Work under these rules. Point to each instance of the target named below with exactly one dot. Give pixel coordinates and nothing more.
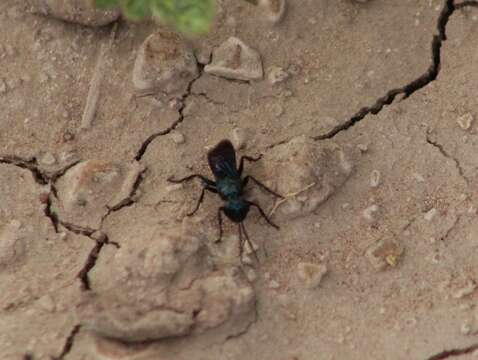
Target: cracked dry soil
(387, 81)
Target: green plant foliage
(106, 4)
(188, 16)
(136, 9)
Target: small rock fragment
(277, 75)
(177, 137)
(362, 147)
(465, 328)
(238, 138)
(375, 178)
(306, 174)
(82, 12)
(274, 284)
(465, 121)
(430, 214)
(371, 213)
(274, 9)
(164, 64)
(311, 274)
(233, 59)
(384, 253)
(465, 291)
(47, 159)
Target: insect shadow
(229, 185)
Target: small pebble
(370, 214)
(430, 214)
(375, 178)
(465, 121)
(274, 284)
(177, 137)
(274, 9)
(47, 159)
(251, 275)
(465, 291)
(311, 274)
(465, 329)
(238, 138)
(277, 75)
(384, 253)
(362, 147)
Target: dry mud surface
(367, 120)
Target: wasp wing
(222, 160)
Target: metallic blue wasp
(230, 186)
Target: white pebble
(465, 291)
(274, 284)
(430, 214)
(465, 329)
(251, 275)
(371, 212)
(465, 121)
(238, 138)
(362, 147)
(375, 178)
(47, 159)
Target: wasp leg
(219, 222)
(241, 243)
(261, 185)
(201, 197)
(264, 215)
(249, 241)
(248, 158)
(204, 179)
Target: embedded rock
(165, 65)
(307, 173)
(81, 12)
(235, 60)
(90, 188)
(166, 286)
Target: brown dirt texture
(366, 117)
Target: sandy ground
(383, 91)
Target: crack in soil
(454, 352)
(442, 151)
(68, 343)
(407, 90)
(129, 200)
(184, 97)
(90, 264)
(31, 165)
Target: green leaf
(136, 9)
(188, 16)
(106, 4)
